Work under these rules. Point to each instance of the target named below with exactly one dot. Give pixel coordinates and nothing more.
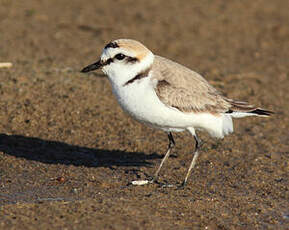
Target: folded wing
(186, 90)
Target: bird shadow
(55, 152)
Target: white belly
(141, 102)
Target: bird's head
(122, 58)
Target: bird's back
(180, 87)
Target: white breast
(140, 101)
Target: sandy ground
(68, 152)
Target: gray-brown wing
(184, 89)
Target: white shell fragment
(139, 182)
(5, 64)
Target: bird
(168, 96)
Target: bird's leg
(170, 147)
(193, 163)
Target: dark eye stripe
(127, 58)
(110, 60)
(107, 62)
(132, 59)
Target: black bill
(92, 67)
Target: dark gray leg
(170, 147)
(193, 163)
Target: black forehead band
(112, 45)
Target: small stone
(5, 64)
(139, 182)
(60, 179)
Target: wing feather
(184, 89)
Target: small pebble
(60, 179)
(5, 64)
(139, 182)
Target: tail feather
(242, 109)
(262, 112)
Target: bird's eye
(119, 56)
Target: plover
(168, 96)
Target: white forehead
(127, 47)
